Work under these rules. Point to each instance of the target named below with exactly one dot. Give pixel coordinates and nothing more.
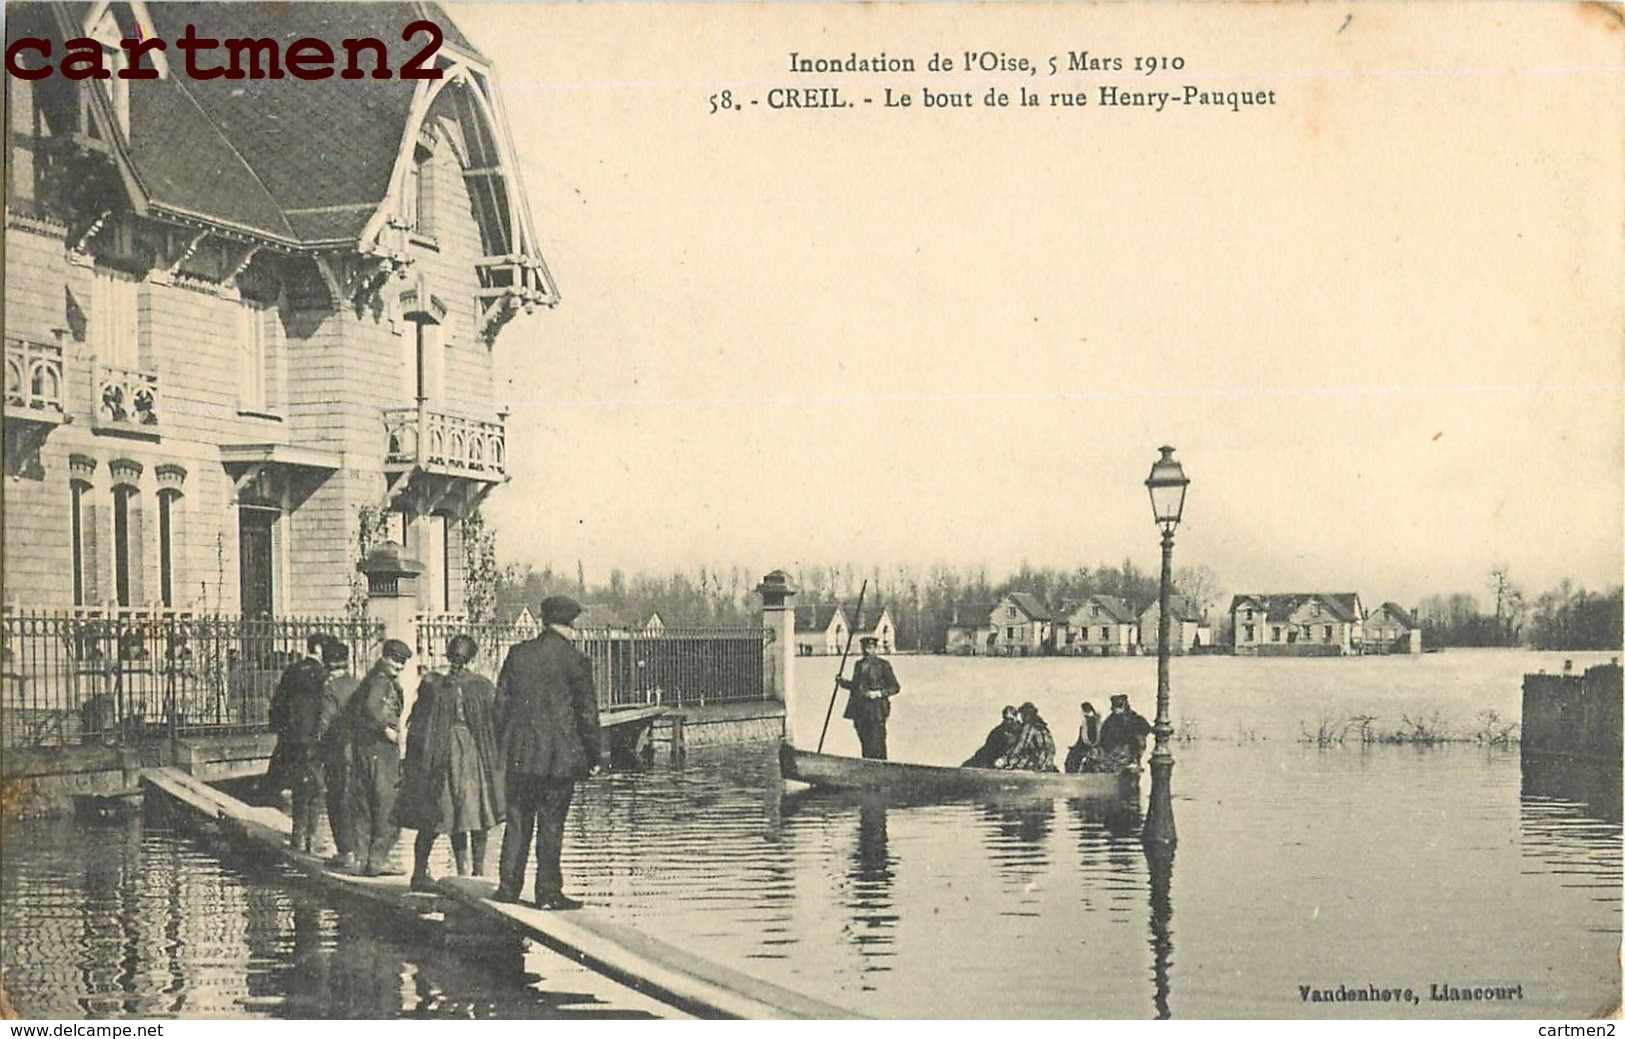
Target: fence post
(779, 618)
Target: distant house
(876, 621)
(655, 624)
(1297, 624)
(1022, 626)
(1391, 628)
(599, 617)
(969, 630)
(1101, 625)
(1184, 626)
(820, 629)
(523, 623)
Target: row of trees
(923, 601)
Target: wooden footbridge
(668, 975)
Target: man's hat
(559, 609)
(335, 653)
(1119, 699)
(396, 650)
(868, 640)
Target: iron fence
(676, 667)
(122, 675)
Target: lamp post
(1167, 484)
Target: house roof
(1280, 606)
(304, 163)
(971, 615)
(1028, 603)
(815, 616)
(597, 615)
(1179, 608)
(870, 618)
(1398, 613)
(1115, 608)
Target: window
(115, 318)
(1326, 631)
(417, 194)
(1010, 633)
(1105, 634)
(126, 544)
(168, 505)
(257, 380)
(1247, 633)
(1275, 634)
(83, 551)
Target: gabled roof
(299, 163)
(1028, 603)
(1397, 612)
(598, 615)
(816, 616)
(970, 615)
(1115, 608)
(1179, 608)
(1280, 606)
(870, 618)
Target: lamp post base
(1159, 816)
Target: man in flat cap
(868, 706)
(340, 689)
(375, 761)
(547, 724)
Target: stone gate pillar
(779, 618)
(392, 599)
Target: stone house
(1101, 625)
(247, 318)
(1184, 626)
(969, 631)
(1022, 626)
(820, 629)
(1390, 628)
(1297, 624)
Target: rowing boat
(833, 772)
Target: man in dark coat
(335, 749)
(547, 723)
(1122, 737)
(375, 761)
(295, 718)
(872, 686)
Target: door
(255, 563)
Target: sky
(1380, 320)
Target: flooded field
(1299, 868)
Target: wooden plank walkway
(660, 971)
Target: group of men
(1022, 741)
(339, 742)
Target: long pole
(851, 630)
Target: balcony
(34, 403)
(445, 444)
(127, 402)
(34, 381)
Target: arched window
(169, 507)
(83, 551)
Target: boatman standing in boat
(872, 686)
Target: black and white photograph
(603, 512)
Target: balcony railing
(34, 380)
(447, 443)
(126, 400)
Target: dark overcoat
(547, 711)
(295, 717)
(870, 674)
(429, 767)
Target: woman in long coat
(450, 781)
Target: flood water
(1354, 865)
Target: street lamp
(1167, 484)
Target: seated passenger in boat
(1035, 748)
(1122, 739)
(999, 741)
(1088, 737)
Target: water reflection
(869, 893)
(1159, 860)
(1593, 786)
